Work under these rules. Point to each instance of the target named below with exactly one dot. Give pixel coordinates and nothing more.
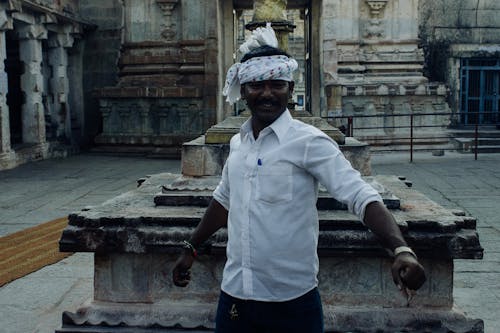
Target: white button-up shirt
(270, 188)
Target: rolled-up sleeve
(324, 160)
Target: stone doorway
(298, 14)
(14, 69)
(480, 90)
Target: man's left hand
(407, 272)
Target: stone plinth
(137, 241)
(206, 155)
(159, 100)
(201, 159)
(224, 131)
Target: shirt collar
(279, 126)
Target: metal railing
(349, 128)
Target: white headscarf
(277, 67)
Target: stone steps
(460, 140)
(488, 141)
(422, 141)
(203, 198)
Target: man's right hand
(181, 275)
(215, 217)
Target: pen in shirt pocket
(259, 162)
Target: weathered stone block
(122, 278)
(201, 159)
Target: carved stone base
(202, 159)
(224, 131)
(136, 243)
(97, 317)
(135, 292)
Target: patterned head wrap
(277, 67)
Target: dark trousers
(301, 315)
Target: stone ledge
(200, 158)
(222, 132)
(131, 223)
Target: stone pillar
(59, 83)
(272, 11)
(5, 23)
(32, 82)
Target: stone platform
(201, 159)
(136, 238)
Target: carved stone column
(167, 7)
(33, 116)
(374, 28)
(272, 11)
(5, 24)
(59, 83)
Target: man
(267, 200)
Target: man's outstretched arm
(215, 217)
(407, 272)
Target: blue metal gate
(480, 91)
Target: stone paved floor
(458, 181)
(42, 191)
(45, 190)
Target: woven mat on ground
(29, 250)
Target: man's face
(267, 100)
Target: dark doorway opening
(15, 98)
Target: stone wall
(451, 30)
(101, 54)
(168, 73)
(373, 72)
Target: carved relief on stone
(374, 29)
(376, 7)
(5, 21)
(176, 116)
(167, 7)
(375, 25)
(32, 31)
(61, 40)
(359, 108)
(270, 10)
(348, 53)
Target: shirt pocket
(274, 183)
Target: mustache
(271, 101)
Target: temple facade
(147, 75)
(41, 113)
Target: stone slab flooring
(35, 303)
(459, 182)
